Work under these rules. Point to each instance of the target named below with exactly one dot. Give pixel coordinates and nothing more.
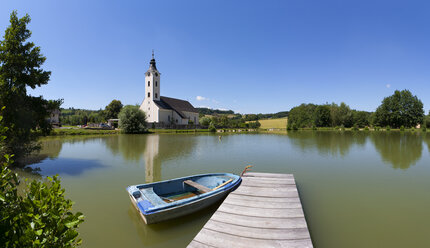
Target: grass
(273, 123)
(80, 131)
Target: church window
(156, 95)
(149, 94)
(148, 74)
(176, 120)
(156, 83)
(149, 83)
(156, 74)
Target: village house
(165, 110)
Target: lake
(358, 189)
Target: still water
(358, 189)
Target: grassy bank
(81, 131)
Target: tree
(400, 109)
(205, 121)
(341, 115)
(20, 67)
(301, 116)
(132, 120)
(322, 116)
(112, 110)
(39, 215)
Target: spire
(152, 65)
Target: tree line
(402, 109)
(72, 116)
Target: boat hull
(185, 207)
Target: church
(161, 109)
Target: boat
(165, 200)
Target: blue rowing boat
(173, 198)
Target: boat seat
(198, 186)
(152, 197)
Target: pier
(264, 211)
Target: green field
(274, 123)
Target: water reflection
(328, 142)
(154, 149)
(65, 166)
(400, 149)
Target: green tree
(341, 115)
(301, 116)
(205, 121)
(322, 116)
(361, 118)
(39, 215)
(400, 109)
(132, 120)
(20, 68)
(112, 110)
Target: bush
(212, 128)
(387, 128)
(424, 129)
(402, 128)
(355, 128)
(377, 128)
(366, 128)
(39, 215)
(132, 120)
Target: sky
(248, 56)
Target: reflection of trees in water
(328, 142)
(154, 149)
(50, 148)
(427, 140)
(400, 149)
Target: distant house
(161, 109)
(54, 117)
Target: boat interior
(178, 189)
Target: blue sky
(248, 56)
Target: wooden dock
(264, 211)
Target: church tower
(152, 81)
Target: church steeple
(152, 66)
(152, 81)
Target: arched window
(149, 94)
(149, 83)
(156, 83)
(156, 95)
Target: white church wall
(192, 116)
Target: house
(162, 109)
(54, 117)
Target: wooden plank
(218, 239)
(258, 233)
(262, 204)
(219, 186)
(262, 199)
(255, 181)
(256, 212)
(267, 192)
(271, 175)
(195, 244)
(261, 222)
(198, 186)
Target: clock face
(148, 74)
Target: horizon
(242, 56)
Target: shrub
(355, 128)
(314, 128)
(387, 128)
(424, 129)
(377, 128)
(39, 215)
(212, 128)
(342, 128)
(132, 120)
(402, 128)
(366, 128)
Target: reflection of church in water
(160, 148)
(152, 162)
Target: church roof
(177, 105)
